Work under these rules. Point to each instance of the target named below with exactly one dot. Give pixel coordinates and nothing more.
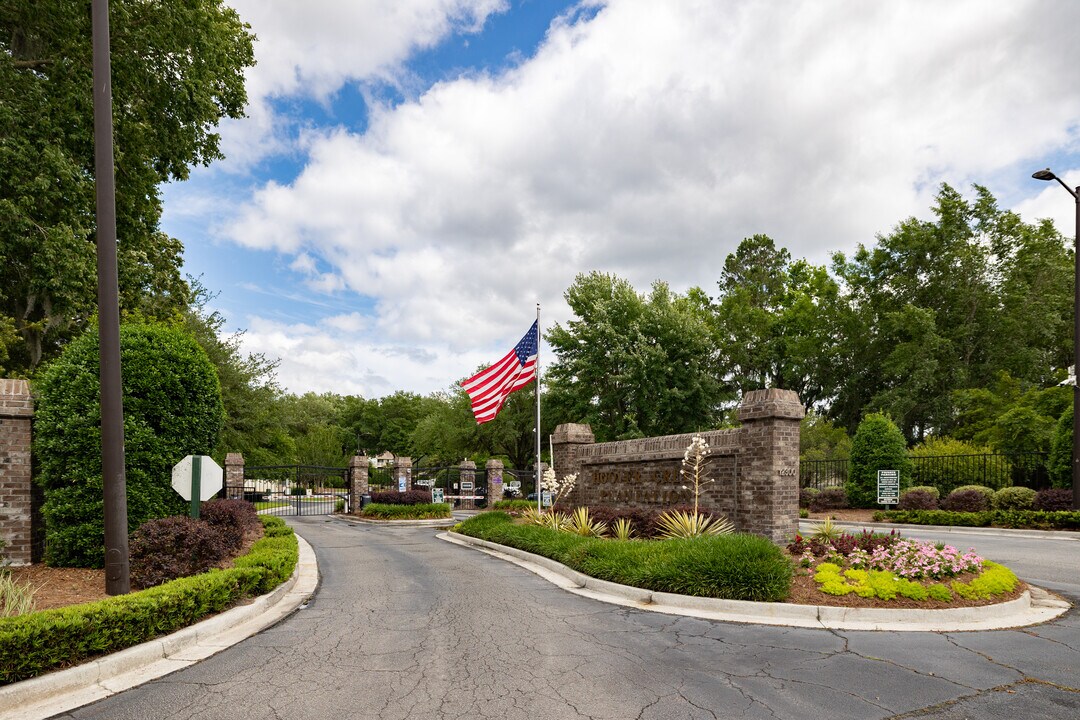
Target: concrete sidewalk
(64, 690)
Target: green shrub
(1038, 519)
(737, 566)
(420, 511)
(51, 639)
(172, 408)
(935, 517)
(994, 580)
(513, 505)
(987, 491)
(1059, 463)
(878, 445)
(946, 464)
(1013, 498)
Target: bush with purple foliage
(829, 499)
(232, 518)
(917, 500)
(168, 548)
(806, 495)
(1053, 499)
(966, 501)
(409, 497)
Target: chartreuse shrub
(1013, 498)
(420, 511)
(947, 463)
(878, 445)
(51, 639)
(994, 580)
(735, 566)
(172, 408)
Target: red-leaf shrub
(829, 499)
(409, 497)
(806, 495)
(168, 548)
(966, 501)
(1053, 499)
(232, 518)
(917, 500)
(641, 520)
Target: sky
(414, 176)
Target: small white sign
(401, 484)
(466, 485)
(210, 477)
(513, 485)
(545, 498)
(437, 495)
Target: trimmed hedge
(174, 547)
(513, 505)
(1053, 499)
(425, 511)
(1033, 519)
(1013, 498)
(38, 642)
(736, 567)
(409, 497)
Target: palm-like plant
(826, 531)
(623, 529)
(581, 524)
(679, 524)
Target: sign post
(888, 487)
(197, 478)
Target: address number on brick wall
(787, 472)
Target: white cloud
(647, 141)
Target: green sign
(888, 487)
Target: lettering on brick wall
(787, 472)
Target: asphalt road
(407, 626)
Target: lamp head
(1044, 175)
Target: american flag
(489, 388)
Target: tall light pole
(1047, 175)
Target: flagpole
(539, 490)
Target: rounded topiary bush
(1053, 499)
(878, 445)
(1013, 498)
(933, 491)
(172, 408)
(168, 548)
(806, 495)
(917, 499)
(966, 500)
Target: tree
(774, 322)
(633, 365)
(172, 408)
(878, 445)
(177, 69)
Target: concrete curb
(64, 690)
(1031, 608)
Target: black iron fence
(945, 472)
(296, 489)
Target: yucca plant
(554, 520)
(581, 524)
(679, 524)
(532, 516)
(623, 529)
(826, 531)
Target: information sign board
(437, 495)
(888, 487)
(545, 497)
(466, 485)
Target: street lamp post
(1047, 175)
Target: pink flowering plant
(916, 560)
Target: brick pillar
(358, 481)
(566, 442)
(494, 481)
(467, 474)
(768, 478)
(403, 469)
(20, 504)
(234, 476)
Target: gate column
(403, 469)
(494, 481)
(467, 474)
(358, 481)
(234, 476)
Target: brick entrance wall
(755, 468)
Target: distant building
(383, 460)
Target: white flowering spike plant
(694, 466)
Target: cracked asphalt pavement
(406, 626)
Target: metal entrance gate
(297, 489)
